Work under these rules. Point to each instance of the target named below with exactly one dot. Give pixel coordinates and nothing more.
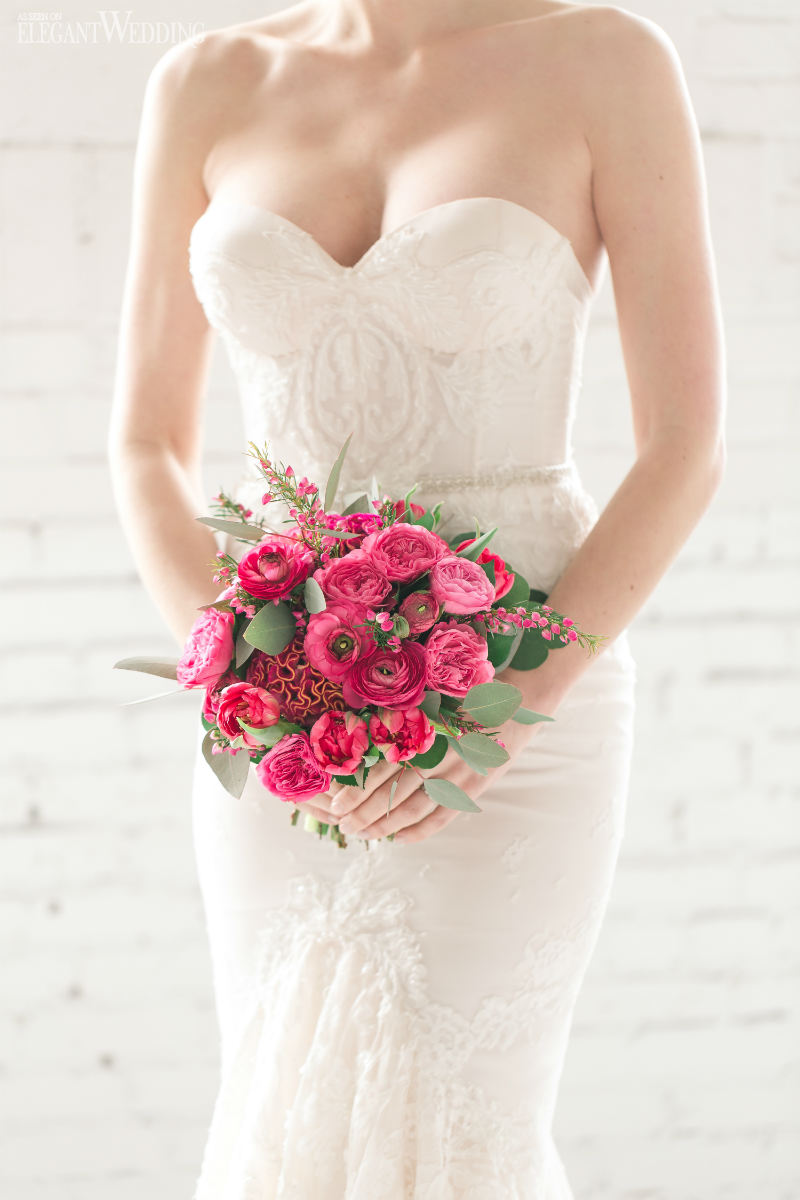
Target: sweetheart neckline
(217, 201)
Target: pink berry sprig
(301, 498)
(551, 625)
(225, 506)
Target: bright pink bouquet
(357, 636)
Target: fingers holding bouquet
(352, 660)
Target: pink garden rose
(291, 770)
(402, 551)
(339, 740)
(243, 702)
(392, 678)
(208, 649)
(421, 610)
(503, 578)
(213, 693)
(400, 733)
(273, 567)
(461, 586)
(333, 640)
(354, 578)
(456, 658)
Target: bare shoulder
(622, 45)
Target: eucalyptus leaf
(359, 775)
(369, 760)
(164, 668)
(360, 505)
(392, 791)
(338, 533)
(237, 529)
(501, 647)
(230, 769)
(243, 649)
(488, 568)
(519, 591)
(492, 703)
(270, 735)
(480, 752)
(430, 704)
(474, 548)
(220, 605)
(449, 795)
(271, 629)
(400, 625)
(531, 652)
(333, 478)
(433, 755)
(314, 596)
(526, 716)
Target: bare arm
(155, 433)
(650, 202)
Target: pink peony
(253, 705)
(392, 678)
(208, 649)
(403, 551)
(291, 770)
(273, 567)
(339, 740)
(503, 578)
(213, 693)
(400, 733)
(460, 585)
(456, 658)
(421, 610)
(334, 640)
(355, 577)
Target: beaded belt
(495, 477)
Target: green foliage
(333, 478)
(449, 795)
(360, 505)
(434, 755)
(164, 668)
(480, 752)
(313, 596)
(237, 529)
(230, 769)
(271, 734)
(502, 647)
(492, 703)
(473, 550)
(430, 704)
(531, 652)
(272, 628)
(518, 593)
(526, 716)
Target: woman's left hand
(413, 815)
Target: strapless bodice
(452, 351)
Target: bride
(396, 217)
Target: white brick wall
(681, 1080)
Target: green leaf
(370, 759)
(433, 755)
(406, 513)
(400, 625)
(424, 519)
(340, 533)
(360, 505)
(165, 668)
(531, 652)
(449, 795)
(271, 629)
(313, 596)
(526, 716)
(492, 703)
(473, 550)
(502, 647)
(333, 478)
(518, 593)
(392, 791)
(220, 605)
(243, 648)
(459, 537)
(230, 769)
(480, 752)
(270, 735)
(430, 704)
(360, 773)
(538, 596)
(237, 529)
(348, 779)
(488, 567)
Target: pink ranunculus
(291, 770)
(334, 640)
(392, 678)
(400, 733)
(213, 693)
(208, 649)
(243, 702)
(421, 610)
(503, 578)
(402, 551)
(456, 658)
(355, 577)
(274, 566)
(461, 586)
(339, 740)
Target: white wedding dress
(394, 1020)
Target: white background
(681, 1080)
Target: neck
(397, 27)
